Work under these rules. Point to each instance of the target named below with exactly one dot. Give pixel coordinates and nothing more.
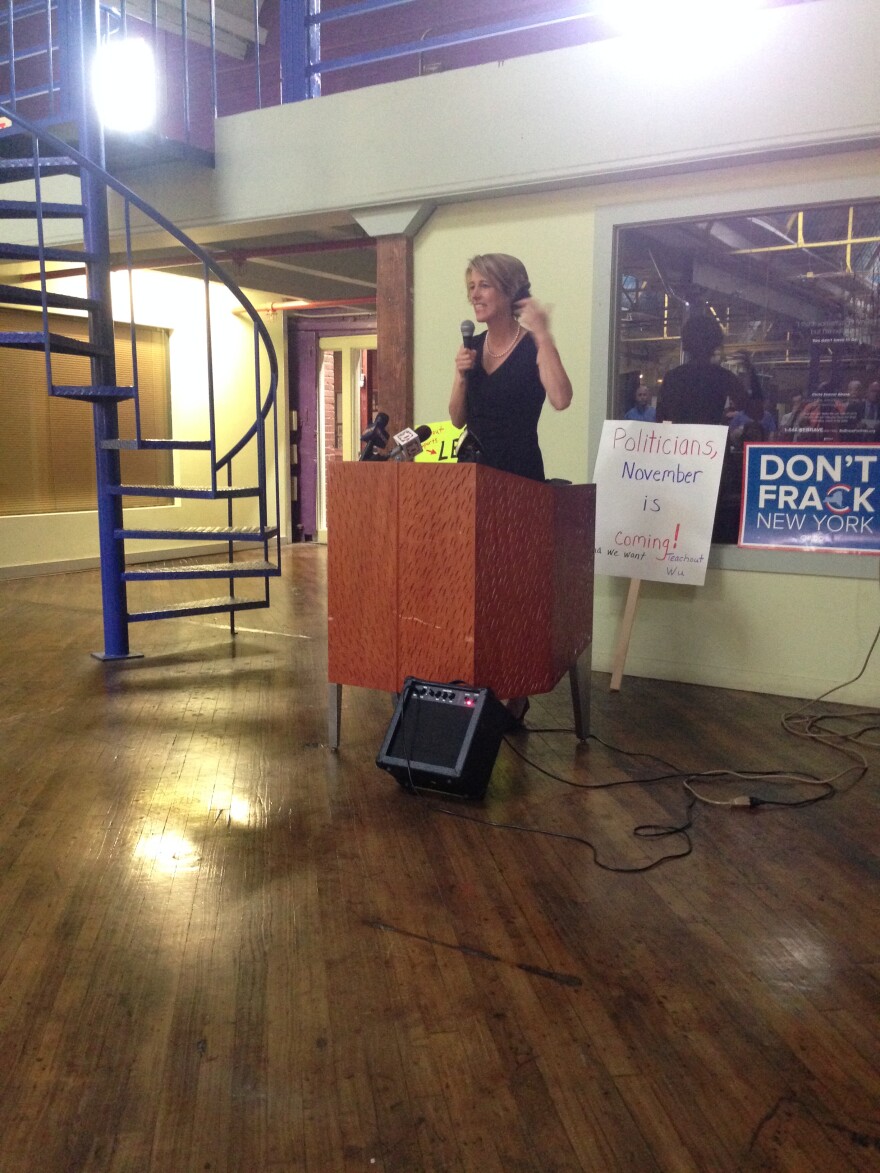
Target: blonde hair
(508, 274)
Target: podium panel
(456, 572)
(437, 568)
(362, 575)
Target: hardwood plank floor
(224, 947)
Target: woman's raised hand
(533, 316)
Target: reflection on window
(797, 292)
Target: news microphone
(375, 436)
(469, 450)
(408, 443)
(467, 334)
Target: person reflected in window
(755, 419)
(870, 421)
(810, 421)
(697, 391)
(786, 424)
(501, 382)
(642, 409)
(852, 412)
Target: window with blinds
(47, 448)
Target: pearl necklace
(507, 349)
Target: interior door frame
(351, 347)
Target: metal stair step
(32, 252)
(198, 607)
(27, 210)
(202, 533)
(19, 163)
(200, 491)
(251, 568)
(136, 445)
(94, 394)
(13, 170)
(36, 340)
(23, 295)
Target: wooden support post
(623, 634)
(394, 329)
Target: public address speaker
(444, 738)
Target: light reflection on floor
(168, 852)
(172, 852)
(800, 961)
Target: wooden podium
(457, 572)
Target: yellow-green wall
(553, 235)
(788, 632)
(31, 543)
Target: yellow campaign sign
(442, 444)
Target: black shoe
(517, 707)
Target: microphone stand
(373, 437)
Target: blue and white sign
(812, 497)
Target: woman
(500, 384)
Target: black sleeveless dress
(503, 410)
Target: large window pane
(797, 291)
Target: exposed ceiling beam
(789, 305)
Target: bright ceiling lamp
(124, 84)
(680, 43)
(695, 22)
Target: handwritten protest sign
(442, 444)
(657, 485)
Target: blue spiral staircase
(30, 154)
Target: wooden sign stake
(623, 634)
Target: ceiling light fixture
(676, 20)
(124, 84)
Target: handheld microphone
(408, 443)
(375, 436)
(467, 334)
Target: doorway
(316, 376)
(346, 404)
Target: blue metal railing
(563, 13)
(212, 271)
(95, 180)
(214, 62)
(30, 58)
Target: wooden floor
(224, 947)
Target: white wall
(806, 78)
(68, 540)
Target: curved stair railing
(103, 392)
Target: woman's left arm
(556, 383)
